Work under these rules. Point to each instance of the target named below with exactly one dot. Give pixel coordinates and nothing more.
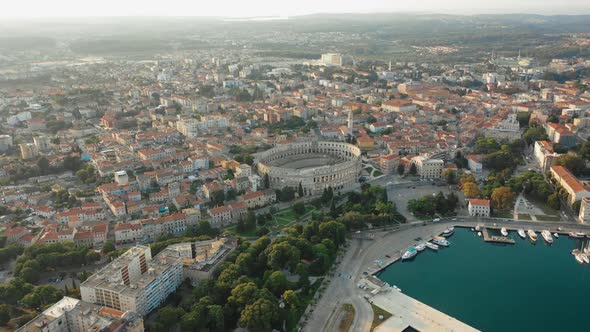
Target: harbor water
(501, 288)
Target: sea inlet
(520, 287)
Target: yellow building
(365, 143)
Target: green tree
(243, 294)
(401, 169)
(266, 181)
(299, 208)
(333, 230)
(260, 315)
(573, 163)
(29, 274)
(282, 254)
(292, 299)
(169, 316)
(42, 295)
(467, 178)
(450, 176)
(216, 317)
(250, 220)
(5, 311)
(576, 207)
(503, 198)
(533, 134)
(470, 189)
(276, 283)
(108, 247)
(486, 145)
(413, 169)
(217, 197)
(43, 165)
(553, 201)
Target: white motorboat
(504, 231)
(556, 235)
(409, 254)
(579, 258)
(441, 242)
(532, 235)
(521, 233)
(472, 229)
(580, 234)
(573, 234)
(585, 258)
(547, 236)
(449, 231)
(477, 228)
(421, 247)
(431, 246)
(479, 234)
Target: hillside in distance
(363, 35)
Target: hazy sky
(249, 8)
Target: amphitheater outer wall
(314, 180)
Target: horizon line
(287, 17)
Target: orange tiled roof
(479, 202)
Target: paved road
(325, 316)
(360, 256)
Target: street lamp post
(282, 306)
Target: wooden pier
(496, 238)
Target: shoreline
(422, 316)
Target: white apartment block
(200, 161)
(475, 162)
(544, 154)
(332, 59)
(188, 127)
(134, 281)
(428, 168)
(73, 315)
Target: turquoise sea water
(521, 287)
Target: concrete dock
(410, 312)
(496, 238)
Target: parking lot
(401, 194)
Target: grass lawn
(377, 173)
(543, 206)
(281, 219)
(287, 216)
(234, 230)
(548, 218)
(348, 317)
(502, 214)
(524, 217)
(378, 311)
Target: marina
(522, 269)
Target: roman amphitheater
(316, 165)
